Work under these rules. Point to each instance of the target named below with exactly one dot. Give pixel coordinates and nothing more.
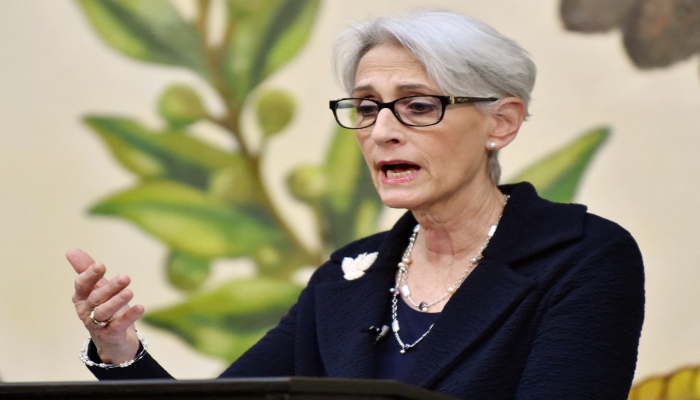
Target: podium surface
(255, 388)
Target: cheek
(470, 139)
(446, 148)
(455, 154)
(366, 148)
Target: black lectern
(259, 388)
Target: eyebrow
(408, 86)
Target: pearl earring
(492, 145)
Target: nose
(387, 128)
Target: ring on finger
(100, 323)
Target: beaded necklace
(401, 285)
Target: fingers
(101, 297)
(106, 309)
(90, 274)
(110, 304)
(127, 318)
(88, 281)
(110, 291)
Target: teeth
(393, 174)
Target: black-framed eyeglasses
(416, 111)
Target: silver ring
(100, 323)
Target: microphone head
(383, 332)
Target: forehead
(390, 66)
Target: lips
(398, 170)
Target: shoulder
(536, 222)
(604, 230)
(607, 243)
(561, 237)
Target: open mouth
(400, 170)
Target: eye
(367, 108)
(420, 105)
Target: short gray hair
(463, 55)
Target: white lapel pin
(354, 268)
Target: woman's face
(419, 168)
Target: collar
(529, 225)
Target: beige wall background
(54, 69)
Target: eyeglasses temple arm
(464, 100)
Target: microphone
(381, 332)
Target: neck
(446, 237)
(440, 259)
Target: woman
(549, 305)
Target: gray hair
(463, 55)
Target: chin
(398, 200)
(398, 206)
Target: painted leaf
(173, 156)
(682, 384)
(189, 221)
(285, 36)
(151, 31)
(264, 35)
(557, 176)
(228, 320)
(351, 200)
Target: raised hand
(103, 306)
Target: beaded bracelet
(87, 361)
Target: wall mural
(206, 203)
(655, 34)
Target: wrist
(89, 355)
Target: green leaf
(189, 221)
(174, 156)
(151, 31)
(557, 176)
(344, 163)
(285, 36)
(228, 320)
(264, 35)
(351, 200)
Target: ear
(508, 116)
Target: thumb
(79, 259)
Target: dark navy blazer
(553, 311)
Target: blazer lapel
(344, 312)
(346, 309)
(528, 226)
(477, 308)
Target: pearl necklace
(402, 276)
